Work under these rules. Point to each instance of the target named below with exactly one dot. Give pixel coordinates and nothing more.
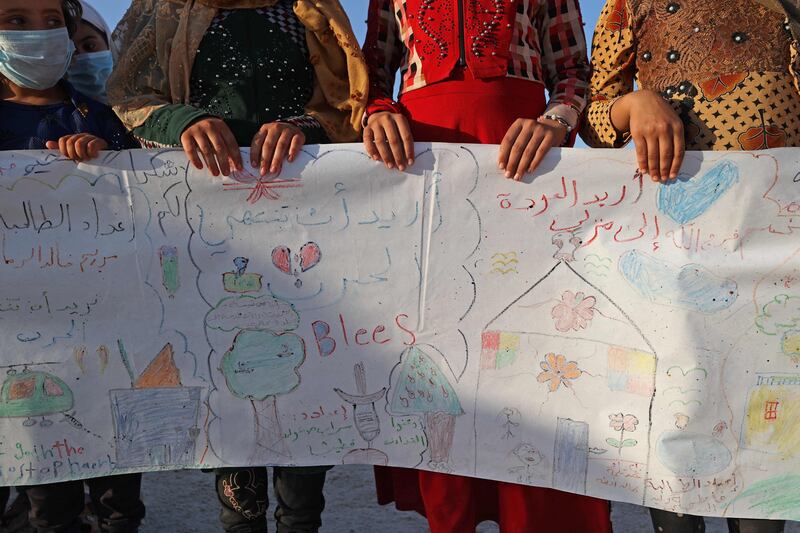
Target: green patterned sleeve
(165, 126)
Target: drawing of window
(51, 388)
(771, 410)
(22, 389)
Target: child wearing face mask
(39, 110)
(93, 61)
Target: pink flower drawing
(623, 424)
(574, 312)
(620, 422)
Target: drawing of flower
(558, 371)
(622, 423)
(574, 312)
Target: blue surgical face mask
(35, 59)
(89, 73)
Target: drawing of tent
(561, 326)
(155, 421)
(772, 409)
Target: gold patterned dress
(727, 67)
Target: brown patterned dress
(727, 67)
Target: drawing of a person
(530, 458)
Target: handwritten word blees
(327, 337)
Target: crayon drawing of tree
(421, 389)
(258, 367)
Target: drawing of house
(563, 313)
(564, 341)
(156, 421)
(771, 414)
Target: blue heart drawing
(686, 199)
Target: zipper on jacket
(462, 49)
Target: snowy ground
(184, 502)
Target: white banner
(587, 330)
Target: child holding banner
(711, 76)
(213, 75)
(37, 110)
(230, 96)
(480, 81)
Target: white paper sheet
(586, 330)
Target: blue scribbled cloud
(691, 286)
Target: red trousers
(465, 110)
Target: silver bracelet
(561, 120)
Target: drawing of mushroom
(421, 389)
(260, 366)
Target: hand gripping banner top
(586, 329)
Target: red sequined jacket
(538, 40)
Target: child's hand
(78, 147)
(210, 139)
(526, 143)
(656, 130)
(388, 138)
(274, 143)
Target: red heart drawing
(282, 259)
(310, 255)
